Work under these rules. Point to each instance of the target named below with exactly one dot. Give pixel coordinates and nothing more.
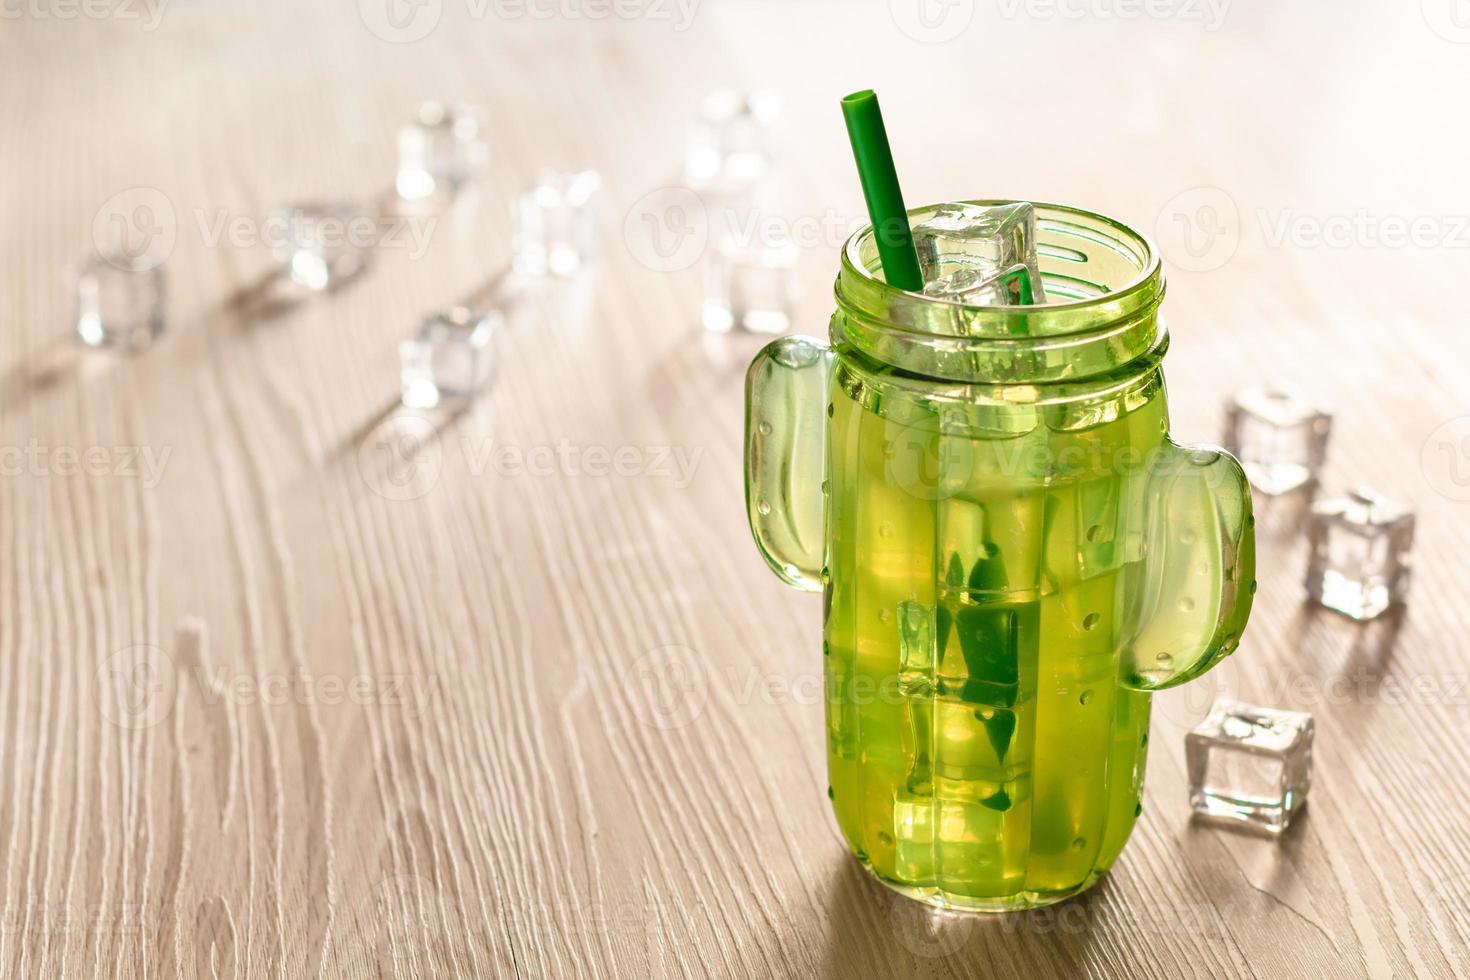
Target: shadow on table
(1377, 640)
(1367, 669)
(1349, 659)
(1268, 861)
(46, 370)
(702, 366)
(398, 451)
(390, 443)
(876, 932)
(1283, 517)
(267, 298)
(51, 367)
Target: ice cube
(1250, 764)
(438, 151)
(556, 224)
(1279, 438)
(750, 288)
(1359, 554)
(729, 144)
(981, 255)
(449, 358)
(120, 302)
(323, 244)
(962, 837)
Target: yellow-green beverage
(1012, 555)
(978, 601)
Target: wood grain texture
(307, 696)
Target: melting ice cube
(1360, 553)
(439, 150)
(979, 255)
(1279, 437)
(1250, 764)
(449, 357)
(729, 146)
(120, 302)
(556, 224)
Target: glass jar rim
(1093, 329)
(1150, 266)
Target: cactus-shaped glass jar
(1013, 554)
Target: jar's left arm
(1198, 574)
(785, 456)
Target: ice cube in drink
(982, 256)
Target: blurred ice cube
(1360, 553)
(1279, 437)
(449, 357)
(323, 243)
(729, 144)
(981, 255)
(120, 302)
(750, 288)
(556, 224)
(1251, 765)
(443, 147)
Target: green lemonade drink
(1012, 553)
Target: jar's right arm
(786, 392)
(1198, 575)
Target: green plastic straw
(881, 190)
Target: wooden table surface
(291, 686)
